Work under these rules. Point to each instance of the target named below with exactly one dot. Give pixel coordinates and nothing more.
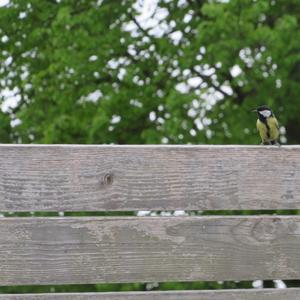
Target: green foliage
(5, 129)
(58, 54)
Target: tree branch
(145, 32)
(209, 81)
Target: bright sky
(3, 2)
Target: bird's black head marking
(262, 108)
(263, 112)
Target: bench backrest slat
(115, 178)
(269, 294)
(132, 249)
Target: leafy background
(147, 72)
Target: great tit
(267, 125)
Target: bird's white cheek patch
(265, 113)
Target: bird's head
(263, 112)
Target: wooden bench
(80, 250)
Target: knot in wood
(108, 179)
(268, 230)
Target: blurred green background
(146, 72)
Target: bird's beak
(254, 110)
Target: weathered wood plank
(269, 294)
(97, 178)
(132, 249)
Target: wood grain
(130, 178)
(269, 294)
(132, 249)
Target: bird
(267, 125)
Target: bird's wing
(276, 123)
(257, 124)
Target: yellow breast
(270, 131)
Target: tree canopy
(115, 71)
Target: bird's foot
(275, 143)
